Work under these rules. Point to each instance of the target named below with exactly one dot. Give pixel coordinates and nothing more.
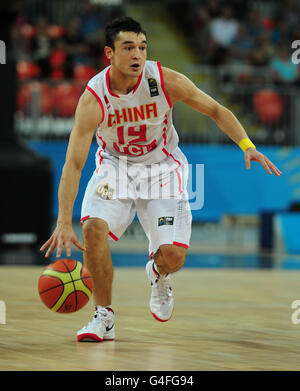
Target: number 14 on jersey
(133, 146)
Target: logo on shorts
(104, 191)
(153, 87)
(169, 220)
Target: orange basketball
(65, 286)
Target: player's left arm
(180, 88)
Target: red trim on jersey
(181, 244)
(164, 130)
(150, 256)
(165, 152)
(100, 160)
(179, 180)
(101, 150)
(177, 172)
(112, 93)
(176, 169)
(102, 141)
(138, 83)
(99, 100)
(107, 84)
(165, 136)
(114, 237)
(175, 160)
(163, 84)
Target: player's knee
(94, 230)
(174, 256)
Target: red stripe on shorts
(181, 244)
(84, 218)
(114, 237)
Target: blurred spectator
(295, 35)
(75, 46)
(92, 22)
(254, 23)
(56, 48)
(57, 60)
(201, 33)
(289, 11)
(281, 31)
(214, 9)
(41, 46)
(285, 72)
(263, 51)
(21, 40)
(33, 9)
(242, 46)
(223, 31)
(241, 9)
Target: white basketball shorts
(157, 192)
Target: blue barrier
(289, 225)
(228, 187)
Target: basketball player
(130, 103)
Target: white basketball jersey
(137, 125)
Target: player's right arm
(88, 114)
(180, 88)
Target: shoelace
(163, 288)
(99, 316)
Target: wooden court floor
(224, 319)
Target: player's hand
(251, 154)
(63, 236)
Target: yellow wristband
(246, 143)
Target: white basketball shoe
(101, 327)
(162, 300)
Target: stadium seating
(65, 97)
(268, 105)
(27, 70)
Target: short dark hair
(124, 23)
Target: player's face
(129, 54)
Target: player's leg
(102, 219)
(116, 216)
(170, 215)
(167, 224)
(97, 259)
(169, 258)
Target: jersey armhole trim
(107, 84)
(163, 84)
(99, 100)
